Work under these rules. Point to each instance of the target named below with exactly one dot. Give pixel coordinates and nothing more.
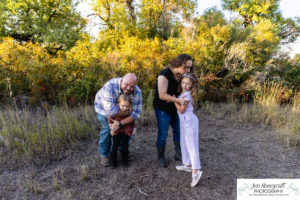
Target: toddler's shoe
(125, 160)
(104, 161)
(195, 178)
(113, 166)
(113, 161)
(130, 158)
(184, 168)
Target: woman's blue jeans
(163, 121)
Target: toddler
(120, 137)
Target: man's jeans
(163, 121)
(105, 138)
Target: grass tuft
(284, 120)
(30, 133)
(84, 172)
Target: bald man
(106, 105)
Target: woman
(165, 96)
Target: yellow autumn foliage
(76, 75)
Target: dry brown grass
(28, 134)
(32, 185)
(269, 93)
(55, 182)
(283, 119)
(296, 102)
(46, 134)
(266, 110)
(84, 172)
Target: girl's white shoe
(195, 178)
(184, 168)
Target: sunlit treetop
(254, 11)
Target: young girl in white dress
(189, 128)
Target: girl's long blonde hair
(194, 89)
(125, 98)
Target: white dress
(189, 134)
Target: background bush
(231, 59)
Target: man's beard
(127, 92)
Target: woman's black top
(172, 90)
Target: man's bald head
(128, 83)
(130, 77)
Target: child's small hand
(112, 133)
(115, 126)
(182, 101)
(134, 131)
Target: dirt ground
(227, 150)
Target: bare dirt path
(228, 151)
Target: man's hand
(115, 125)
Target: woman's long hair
(179, 60)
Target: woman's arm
(162, 84)
(181, 107)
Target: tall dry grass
(47, 132)
(296, 102)
(266, 111)
(268, 94)
(29, 133)
(285, 118)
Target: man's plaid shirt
(106, 99)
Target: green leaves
(146, 18)
(53, 23)
(252, 11)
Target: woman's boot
(161, 156)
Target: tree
(145, 18)
(212, 17)
(289, 30)
(115, 15)
(53, 23)
(253, 11)
(163, 18)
